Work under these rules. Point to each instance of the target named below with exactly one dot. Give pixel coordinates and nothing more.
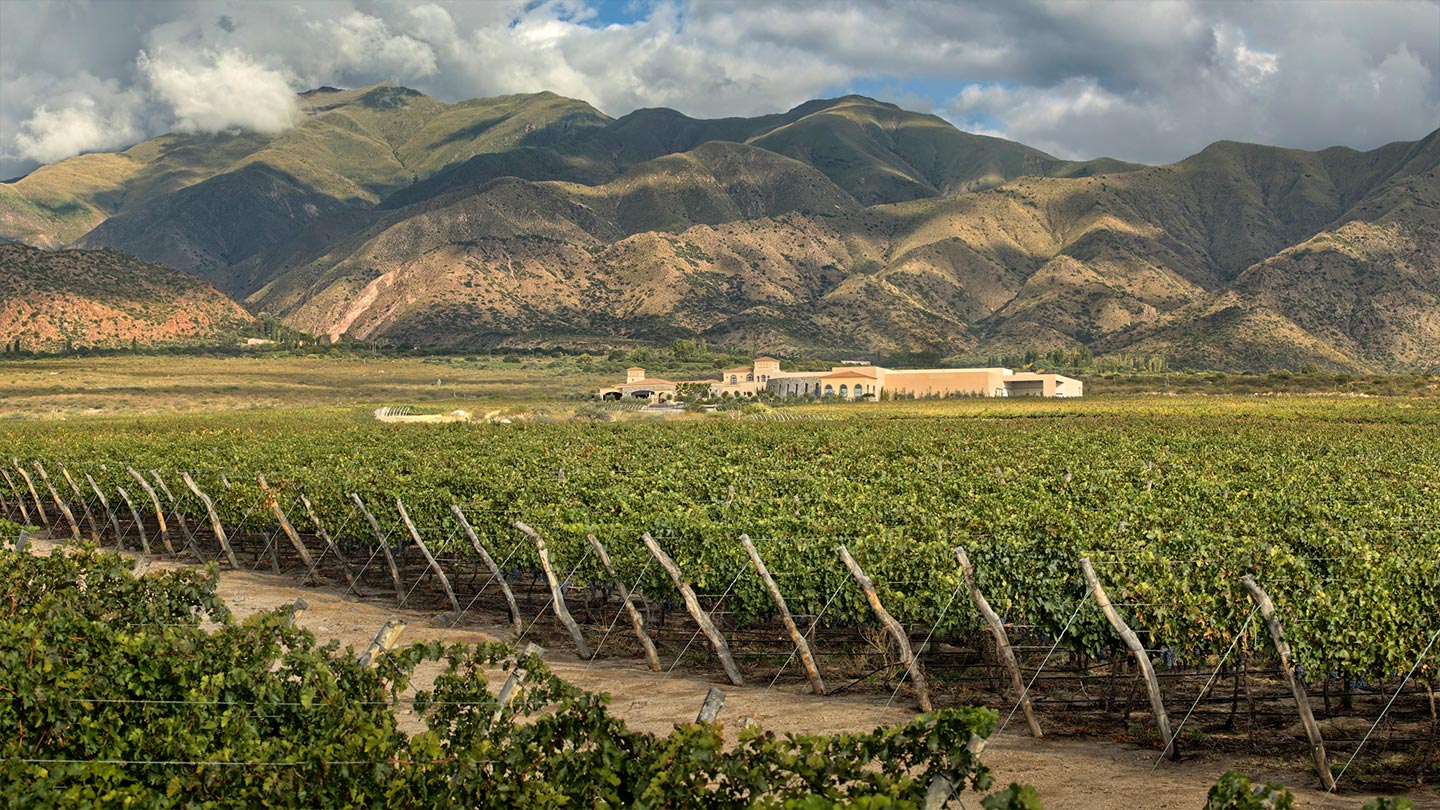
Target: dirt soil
(1069, 773)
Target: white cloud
(211, 91)
(51, 135)
(92, 115)
(1153, 81)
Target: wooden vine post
(637, 622)
(507, 689)
(1152, 684)
(179, 515)
(84, 505)
(383, 642)
(214, 519)
(802, 647)
(429, 558)
(1297, 687)
(710, 707)
(59, 504)
(1002, 641)
(273, 501)
(19, 496)
(105, 504)
(35, 496)
(495, 572)
(692, 604)
(384, 547)
(135, 516)
(557, 591)
(897, 632)
(159, 511)
(345, 567)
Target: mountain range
(843, 225)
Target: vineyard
(1333, 508)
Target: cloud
(88, 115)
(211, 91)
(1152, 82)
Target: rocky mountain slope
(51, 300)
(842, 225)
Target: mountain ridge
(841, 224)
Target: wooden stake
(89, 518)
(692, 604)
(159, 512)
(897, 632)
(383, 643)
(637, 622)
(1162, 720)
(384, 547)
(179, 515)
(557, 592)
(507, 689)
(345, 567)
(105, 504)
(299, 607)
(710, 708)
(215, 521)
(1002, 641)
(59, 504)
(19, 496)
(801, 645)
(429, 558)
(495, 572)
(1297, 687)
(135, 516)
(273, 500)
(39, 507)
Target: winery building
(854, 382)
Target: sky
(1145, 81)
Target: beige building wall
(949, 382)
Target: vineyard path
(1069, 773)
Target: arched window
(732, 379)
(829, 389)
(749, 378)
(843, 390)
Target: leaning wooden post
(383, 642)
(135, 516)
(273, 500)
(19, 496)
(429, 558)
(897, 632)
(105, 504)
(557, 591)
(710, 708)
(801, 645)
(179, 515)
(495, 572)
(214, 518)
(507, 689)
(692, 604)
(1002, 641)
(35, 496)
(1152, 684)
(1297, 687)
(159, 511)
(345, 567)
(89, 516)
(637, 622)
(59, 504)
(384, 547)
